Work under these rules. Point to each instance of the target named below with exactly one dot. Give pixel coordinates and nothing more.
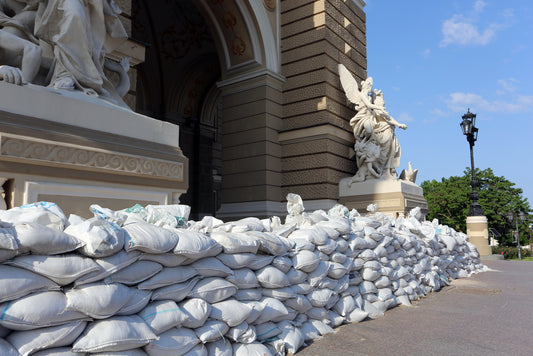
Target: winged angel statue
(376, 147)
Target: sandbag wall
(145, 281)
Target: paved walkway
(490, 313)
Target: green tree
(449, 201)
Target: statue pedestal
(394, 197)
(477, 230)
(75, 150)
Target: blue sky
(434, 59)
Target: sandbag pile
(146, 281)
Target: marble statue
(67, 40)
(376, 146)
(409, 174)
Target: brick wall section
(316, 37)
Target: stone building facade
(254, 87)
(248, 101)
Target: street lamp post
(522, 216)
(468, 125)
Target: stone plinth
(394, 197)
(477, 230)
(75, 150)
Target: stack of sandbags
(146, 281)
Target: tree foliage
(449, 201)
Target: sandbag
(271, 277)
(38, 310)
(135, 273)
(163, 315)
(213, 289)
(211, 331)
(101, 237)
(98, 300)
(252, 349)
(168, 276)
(194, 245)
(176, 292)
(236, 242)
(243, 278)
(211, 267)
(117, 333)
(197, 311)
(6, 349)
(242, 333)
(172, 342)
(137, 302)
(109, 265)
(230, 311)
(149, 238)
(221, 347)
(17, 282)
(42, 213)
(43, 240)
(28, 342)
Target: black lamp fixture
(468, 125)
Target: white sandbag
(230, 311)
(370, 274)
(236, 242)
(300, 303)
(273, 309)
(4, 332)
(267, 331)
(211, 267)
(173, 215)
(149, 238)
(98, 300)
(306, 261)
(270, 243)
(328, 247)
(341, 224)
(335, 319)
(291, 339)
(247, 224)
(43, 240)
(195, 245)
(38, 310)
(6, 255)
(135, 273)
(138, 301)
(244, 278)
(382, 282)
(316, 235)
(168, 276)
(7, 238)
(221, 347)
(63, 269)
(174, 342)
(245, 260)
(449, 241)
(213, 289)
(315, 277)
(28, 342)
(279, 293)
(252, 349)
(244, 295)
(271, 277)
(342, 284)
(328, 283)
(338, 257)
(17, 282)
(163, 315)
(176, 292)
(357, 315)
(302, 288)
(345, 305)
(320, 297)
(42, 213)
(109, 265)
(198, 350)
(197, 311)
(337, 270)
(6, 349)
(296, 276)
(134, 352)
(300, 244)
(242, 333)
(283, 263)
(211, 331)
(64, 351)
(101, 237)
(166, 259)
(117, 333)
(367, 287)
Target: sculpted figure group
(376, 146)
(61, 44)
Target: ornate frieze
(26, 149)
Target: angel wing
(349, 84)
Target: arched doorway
(212, 67)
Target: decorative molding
(23, 148)
(270, 4)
